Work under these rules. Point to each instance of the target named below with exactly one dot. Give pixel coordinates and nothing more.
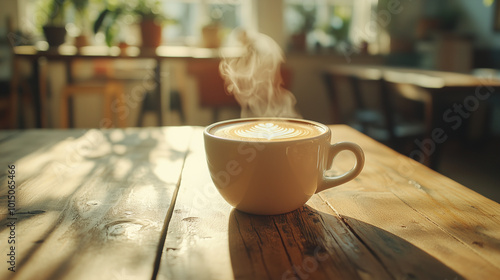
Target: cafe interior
(419, 76)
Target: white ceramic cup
(276, 175)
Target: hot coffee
(273, 165)
(267, 130)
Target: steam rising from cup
(254, 78)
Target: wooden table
(139, 203)
(69, 54)
(450, 98)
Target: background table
(448, 96)
(69, 54)
(140, 204)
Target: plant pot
(123, 48)
(150, 33)
(55, 35)
(211, 36)
(81, 41)
(299, 41)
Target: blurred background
(157, 59)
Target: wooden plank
(17, 144)
(196, 241)
(6, 134)
(416, 221)
(310, 242)
(95, 205)
(30, 152)
(207, 239)
(356, 231)
(420, 77)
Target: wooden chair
(15, 90)
(7, 106)
(211, 88)
(103, 83)
(112, 91)
(383, 121)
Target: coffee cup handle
(335, 149)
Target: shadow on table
(309, 244)
(92, 192)
(17, 144)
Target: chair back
(211, 89)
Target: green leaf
(110, 34)
(100, 20)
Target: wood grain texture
(92, 206)
(382, 225)
(426, 225)
(96, 205)
(196, 245)
(6, 134)
(420, 77)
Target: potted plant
(151, 21)
(81, 20)
(54, 28)
(212, 31)
(299, 37)
(146, 12)
(211, 35)
(53, 14)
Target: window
(328, 24)
(192, 15)
(189, 16)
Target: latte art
(270, 131)
(267, 130)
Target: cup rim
(323, 134)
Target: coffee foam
(267, 130)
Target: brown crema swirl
(267, 130)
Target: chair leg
(66, 94)
(108, 98)
(14, 112)
(176, 104)
(215, 115)
(120, 109)
(158, 108)
(182, 115)
(114, 104)
(142, 110)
